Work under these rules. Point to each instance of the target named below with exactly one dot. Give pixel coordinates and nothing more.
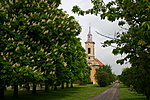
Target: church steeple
(89, 39)
(89, 28)
(89, 46)
(89, 34)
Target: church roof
(89, 41)
(99, 62)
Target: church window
(89, 50)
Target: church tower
(89, 47)
(93, 62)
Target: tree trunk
(15, 91)
(55, 87)
(27, 87)
(41, 86)
(71, 85)
(2, 93)
(67, 85)
(34, 88)
(62, 85)
(2, 89)
(46, 86)
(148, 97)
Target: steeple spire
(89, 34)
(89, 28)
(89, 39)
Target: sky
(102, 26)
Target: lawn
(126, 94)
(79, 92)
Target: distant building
(93, 62)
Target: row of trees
(104, 75)
(136, 78)
(135, 41)
(39, 44)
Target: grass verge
(79, 92)
(126, 94)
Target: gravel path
(109, 94)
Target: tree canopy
(38, 44)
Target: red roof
(99, 62)
(89, 41)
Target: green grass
(79, 92)
(126, 94)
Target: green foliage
(126, 77)
(39, 43)
(133, 78)
(108, 70)
(102, 78)
(104, 75)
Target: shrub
(102, 78)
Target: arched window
(89, 50)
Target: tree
(5, 76)
(81, 70)
(107, 68)
(74, 62)
(127, 77)
(102, 78)
(135, 42)
(35, 37)
(133, 78)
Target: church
(93, 62)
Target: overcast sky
(103, 26)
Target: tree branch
(104, 35)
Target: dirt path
(109, 94)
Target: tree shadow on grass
(42, 95)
